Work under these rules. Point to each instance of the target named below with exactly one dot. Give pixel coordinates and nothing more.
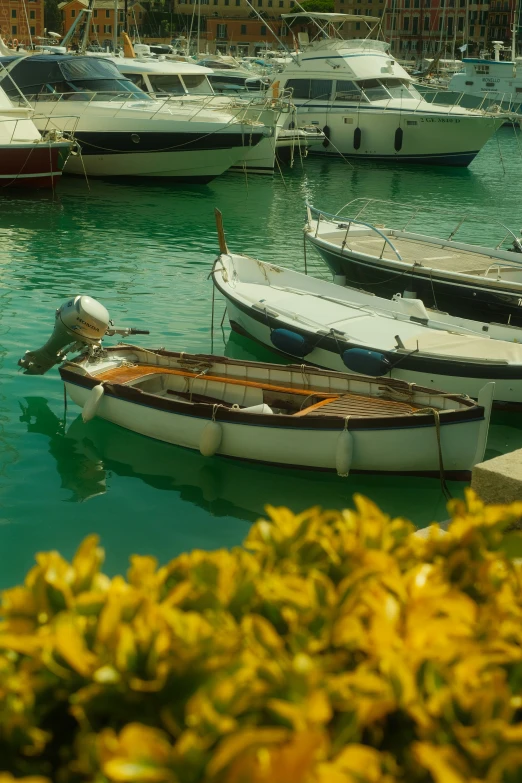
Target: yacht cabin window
(347, 91)
(373, 89)
(310, 89)
(170, 84)
(197, 84)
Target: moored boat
(368, 105)
(289, 416)
(122, 131)
(28, 158)
(339, 328)
(464, 279)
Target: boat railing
(318, 214)
(415, 210)
(122, 101)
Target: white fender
(93, 403)
(344, 453)
(261, 408)
(210, 439)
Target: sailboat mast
(116, 2)
(514, 35)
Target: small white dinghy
(293, 416)
(341, 328)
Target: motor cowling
(80, 321)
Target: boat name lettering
(488, 79)
(439, 119)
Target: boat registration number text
(439, 119)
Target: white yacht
(123, 131)
(367, 104)
(185, 82)
(491, 81)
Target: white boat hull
(373, 451)
(441, 139)
(200, 165)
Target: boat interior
(254, 396)
(444, 256)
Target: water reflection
(87, 455)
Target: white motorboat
(122, 131)
(29, 158)
(291, 416)
(185, 82)
(367, 104)
(340, 328)
(491, 81)
(465, 279)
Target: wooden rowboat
(284, 415)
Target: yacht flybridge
(123, 131)
(367, 104)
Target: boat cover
(33, 73)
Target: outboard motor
(80, 322)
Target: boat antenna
(514, 35)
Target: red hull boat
(34, 165)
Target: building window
(260, 3)
(416, 3)
(243, 29)
(107, 28)
(406, 23)
(107, 14)
(221, 31)
(238, 2)
(32, 14)
(281, 4)
(270, 3)
(415, 24)
(13, 13)
(14, 30)
(33, 30)
(73, 13)
(357, 25)
(461, 24)
(263, 29)
(215, 2)
(95, 13)
(426, 22)
(227, 2)
(120, 16)
(406, 3)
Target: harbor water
(145, 251)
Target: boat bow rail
(386, 209)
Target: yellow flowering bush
(333, 647)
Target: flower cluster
(333, 647)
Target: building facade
(424, 28)
(21, 21)
(103, 23)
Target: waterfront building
(102, 26)
(21, 20)
(418, 29)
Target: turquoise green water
(145, 251)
